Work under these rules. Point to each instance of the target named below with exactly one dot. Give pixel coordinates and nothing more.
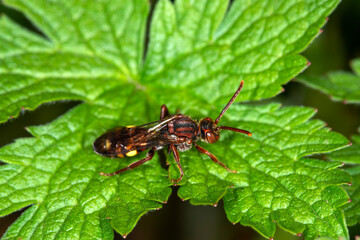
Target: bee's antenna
(229, 103)
(236, 130)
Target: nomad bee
(179, 132)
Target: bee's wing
(154, 126)
(161, 124)
(129, 141)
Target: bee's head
(209, 132)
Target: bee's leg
(177, 160)
(204, 151)
(164, 112)
(133, 165)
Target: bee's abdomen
(117, 143)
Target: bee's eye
(210, 137)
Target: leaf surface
(274, 185)
(351, 158)
(344, 86)
(198, 52)
(340, 85)
(89, 44)
(195, 42)
(58, 171)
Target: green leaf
(344, 86)
(351, 156)
(90, 43)
(58, 171)
(273, 184)
(256, 40)
(340, 85)
(198, 52)
(352, 210)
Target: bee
(178, 132)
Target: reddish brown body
(179, 132)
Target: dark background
(332, 50)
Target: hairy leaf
(58, 171)
(256, 40)
(273, 185)
(198, 52)
(345, 86)
(91, 44)
(351, 156)
(340, 85)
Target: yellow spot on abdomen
(107, 144)
(130, 126)
(131, 153)
(120, 155)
